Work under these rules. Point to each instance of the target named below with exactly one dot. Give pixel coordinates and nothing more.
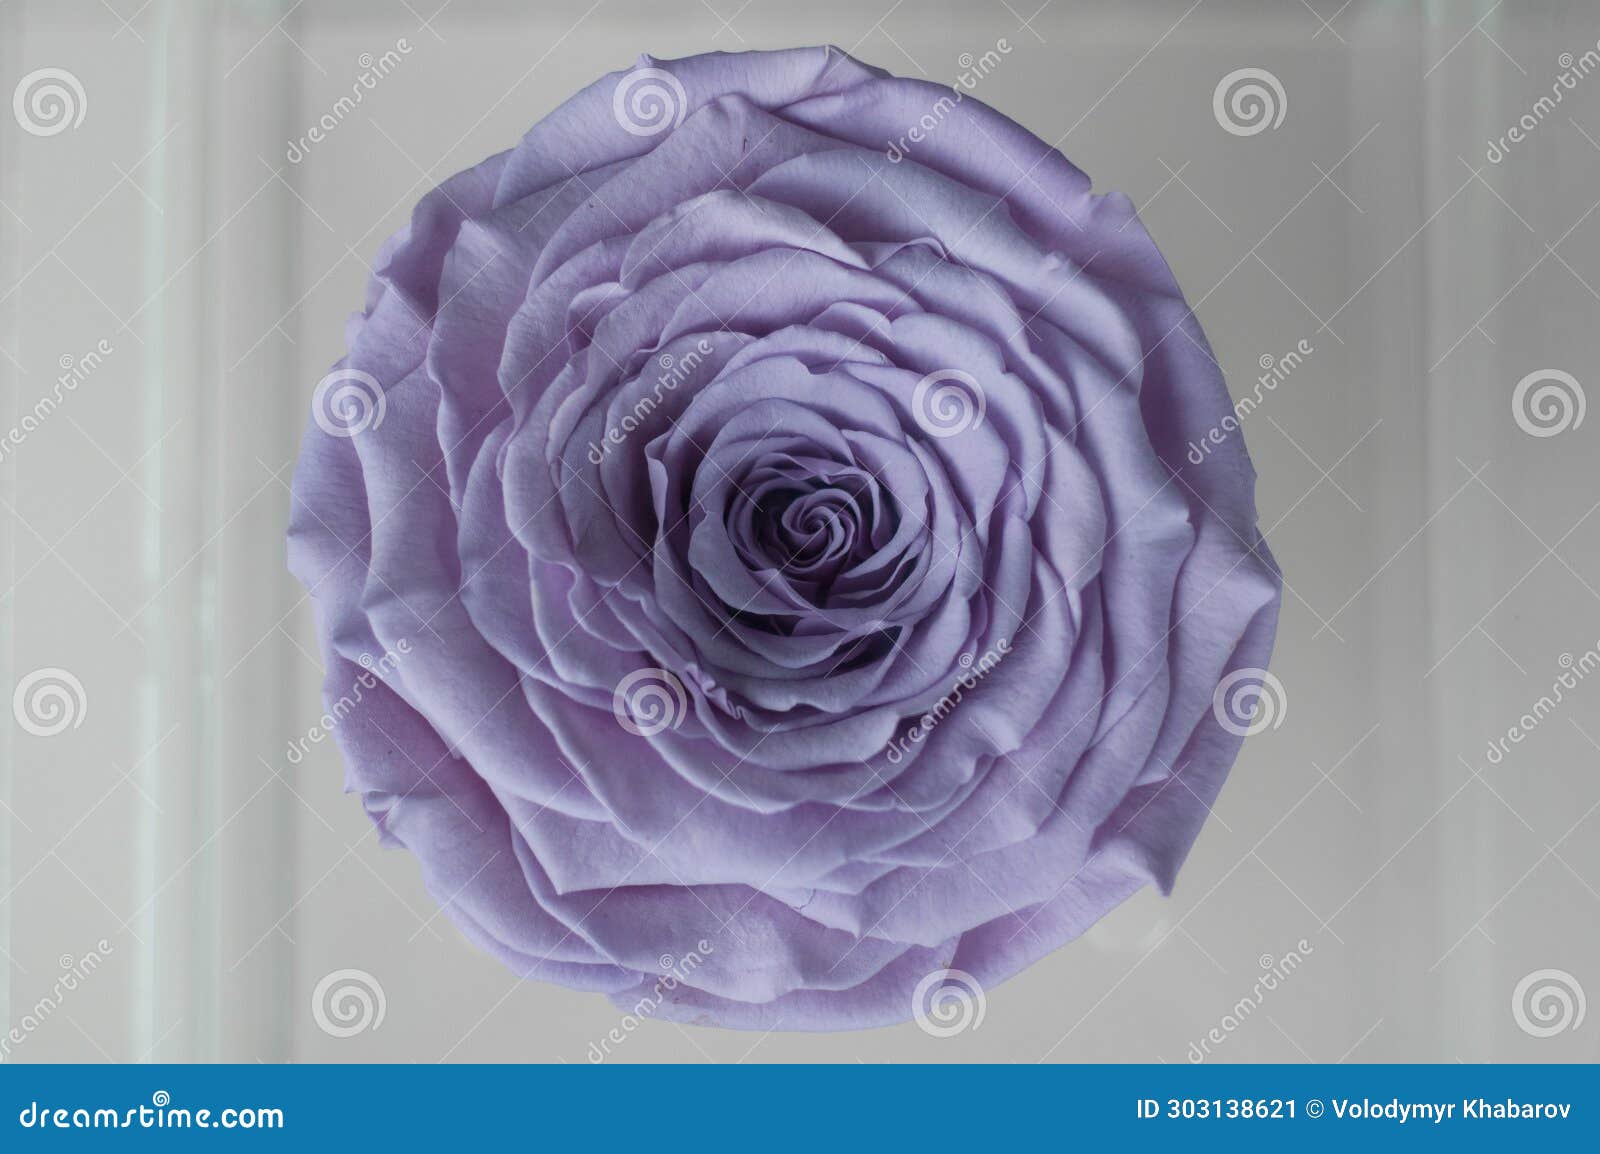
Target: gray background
(1440, 560)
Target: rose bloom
(791, 533)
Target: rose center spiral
(810, 528)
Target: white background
(1439, 559)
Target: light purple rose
(792, 541)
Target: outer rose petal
(847, 798)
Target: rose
(866, 649)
